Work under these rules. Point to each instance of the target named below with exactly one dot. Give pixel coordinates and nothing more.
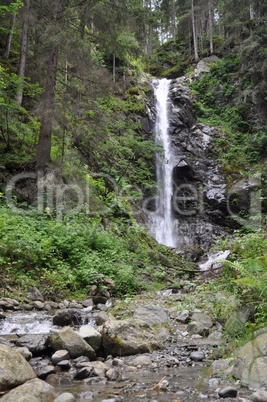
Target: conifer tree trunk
(44, 144)
(194, 31)
(173, 22)
(9, 36)
(211, 25)
(23, 48)
(114, 67)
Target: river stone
(65, 397)
(151, 314)
(69, 340)
(204, 319)
(112, 374)
(237, 320)
(45, 371)
(221, 365)
(99, 368)
(101, 318)
(35, 343)
(91, 336)
(38, 305)
(64, 364)
(83, 373)
(34, 391)
(141, 361)
(4, 341)
(228, 392)
(255, 375)
(14, 369)
(129, 337)
(259, 396)
(67, 317)
(24, 351)
(88, 303)
(196, 327)
(60, 355)
(247, 363)
(183, 316)
(36, 295)
(197, 356)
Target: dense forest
(75, 137)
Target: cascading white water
(162, 220)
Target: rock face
(251, 365)
(129, 337)
(35, 391)
(202, 205)
(14, 369)
(69, 340)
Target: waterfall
(162, 219)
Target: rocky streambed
(148, 348)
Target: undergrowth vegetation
(67, 256)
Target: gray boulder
(35, 343)
(228, 392)
(183, 316)
(36, 295)
(59, 356)
(91, 336)
(251, 364)
(14, 369)
(24, 351)
(34, 391)
(151, 314)
(69, 340)
(259, 396)
(237, 320)
(204, 319)
(65, 397)
(129, 337)
(196, 327)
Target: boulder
(36, 295)
(228, 392)
(196, 327)
(251, 364)
(151, 314)
(91, 336)
(38, 305)
(67, 317)
(35, 343)
(197, 356)
(259, 396)
(129, 337)
(203, 319)
(237, 320)
(45, 372)
(59, 356)
(99, 368)
(14, 369)
(69, 340)
(24, 351)
(183, 316)
(65, 397)
(34, 390)
(218, 366)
